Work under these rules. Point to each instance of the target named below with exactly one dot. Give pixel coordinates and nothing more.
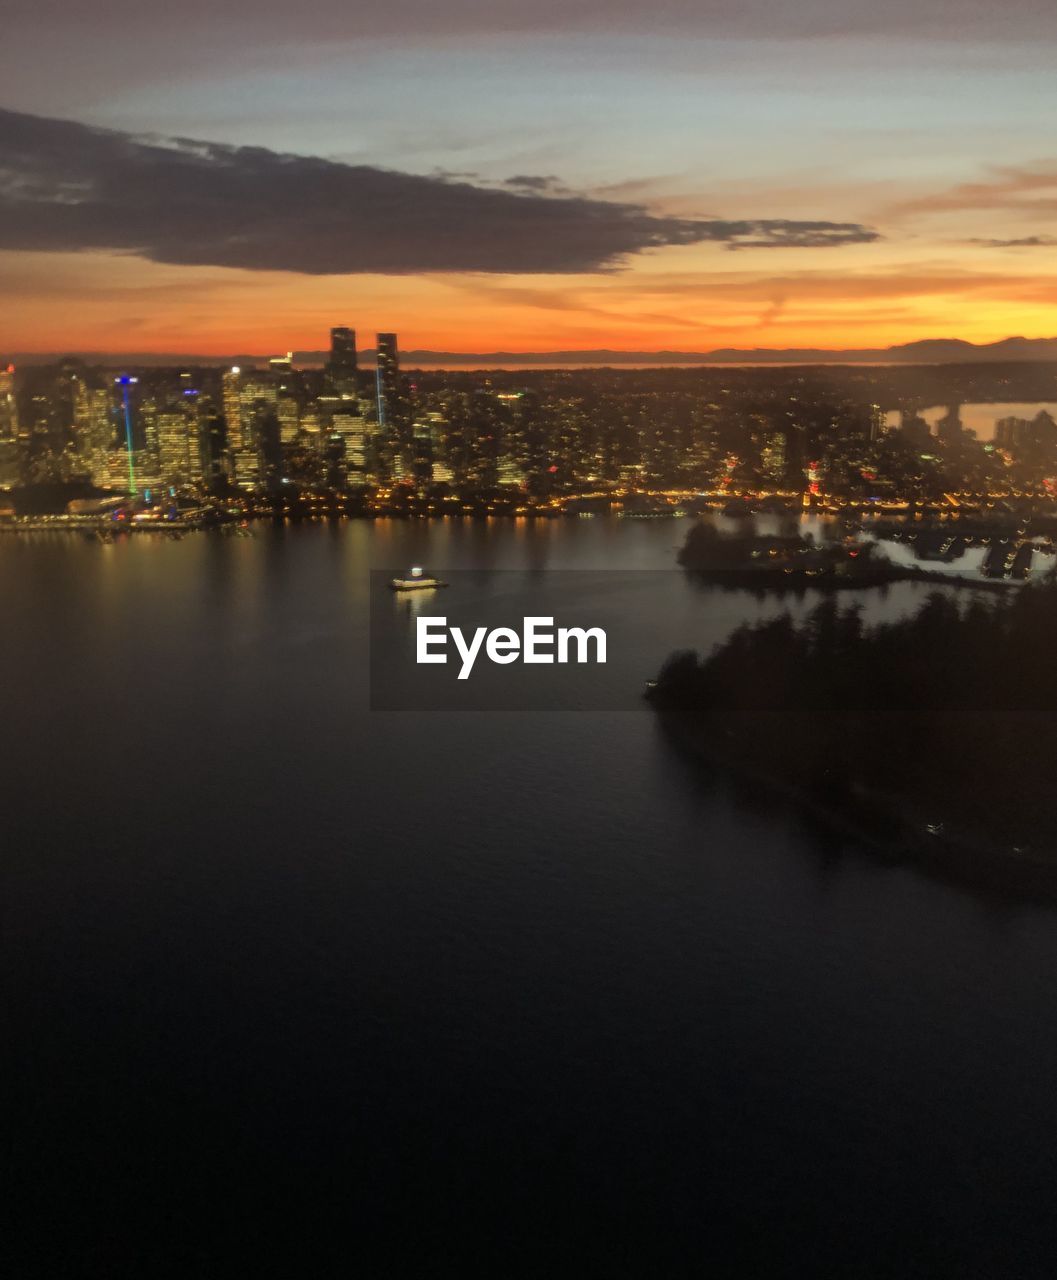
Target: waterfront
(515, 993)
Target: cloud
(1029, 189)
(783, 295)
(537, 184)
(1022, 242)
(783, 234)
(66, 186)
(956, 20)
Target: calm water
(496, 994)
(982, 418)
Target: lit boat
(416, 580)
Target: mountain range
(927, 351)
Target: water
(496, 994)
(982, 418)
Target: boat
(417, 579)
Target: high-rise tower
(8, 405)
(341, 367)
(9, 449)
(124, 382)
(387, 384)
(394, 436)
(231, 393)
(343, 348)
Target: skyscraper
(254, 459)
(8, 406)
(231, 394)
(124, 382)
(289, 412)
(341, 368)
(387, 382)
(179, 458)
(343, 348)
(9, 451)
(351, 429)
(93, 429)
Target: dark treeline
(778, 560)
(936, 732)
(992, 655)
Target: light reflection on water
(981, 418)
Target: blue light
(128, 433)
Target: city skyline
(711, 176)
(368, 438)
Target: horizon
(595, 357)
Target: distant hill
(927, 351)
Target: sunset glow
(930, 144)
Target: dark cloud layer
(67, 186)
(948, 20)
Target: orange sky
(935, 135)
(696, 298)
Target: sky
(480, 176)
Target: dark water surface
(297, 986)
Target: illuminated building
(343, 349)
(342, 366)
(422, 452)
(258, 422)
(179, 454)
(253, 394)
(94, 432)
(10, 461)
(231, 393)
(246, 465)
(436, 426)
(312, 423)
(266, 434)
(125, 382)
(387, 384)
(8, 404)
(211, 450)
(289, 414)
(118, 463)
(351, 429)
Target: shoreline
(781, 581)
(889, 828)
